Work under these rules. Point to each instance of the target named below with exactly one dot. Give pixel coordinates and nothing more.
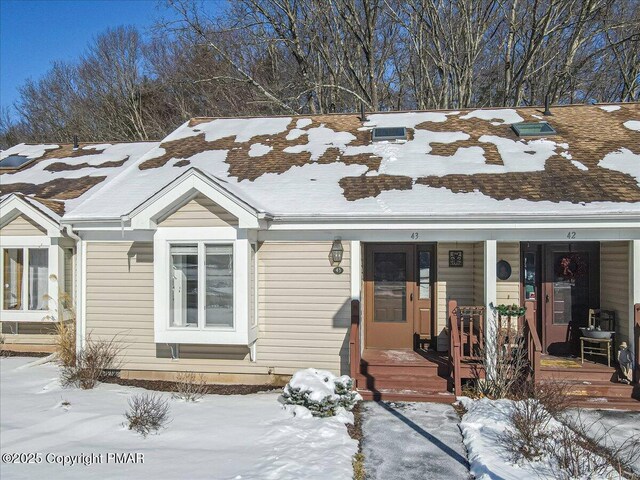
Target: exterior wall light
(335, 256)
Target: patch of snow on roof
(579, 165)
(632, 125)
(100, 146)
(303, 122)
(29, 151)
(520, 156)
(624, 161)
(537, 116)
(507, 115)
(259, 149)
(407, 119)
(566, 155)
(610, 108)
(320, 140)
(243, 129)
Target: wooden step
(605, 374)
(428, 370)
(403, 381)
(606, 403)
(600, 388)
(408, 395)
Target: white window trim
(26, 242)
(239, 334)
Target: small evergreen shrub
(321, 392)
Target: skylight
(14, 161)
(389, 133)
(533, 129)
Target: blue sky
(34, 33)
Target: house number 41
(571, 235)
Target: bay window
(25, 278)
(201, 286)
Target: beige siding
(303, 311)
(21, 226)
(614, 284)
(508, 291)
(455, 283)
(478, 273)
(200, 212)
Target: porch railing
(467, 338)
(636, 330)
(354, 340)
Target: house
(248, 248)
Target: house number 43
(571, 235)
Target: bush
(190, 387)
(97, 361)
(321, 392)
(148, 412)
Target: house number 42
(571, 235)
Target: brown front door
(398, 288)
(570, 288)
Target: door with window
(398, 295)
(570, 288)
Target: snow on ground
(220, 437)
(412, 441)
(615, 428)
(484, 425)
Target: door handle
(411, 297)
(546, 298)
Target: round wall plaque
(503, 270)
(338, 270)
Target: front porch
(442, 355)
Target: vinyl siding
(614, 284)
(303, 311)
(21, 226)
(200, 212)
(455, 283)
(508, 291)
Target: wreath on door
(571, 266)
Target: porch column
(490, 299)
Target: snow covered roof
(466, 163)
(57, 178)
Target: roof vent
(75, 142)
(533, 129)
(389, 133)
(14, 162)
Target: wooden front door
(398, 293)
(570, 288)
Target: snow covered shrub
(98, 360)
(321, 392)
(148, 412)
(190, 387)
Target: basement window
(533, 129)
(389, 133)
(13, 162)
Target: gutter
(79, 290)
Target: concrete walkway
(407, 441)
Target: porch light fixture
(335, 256)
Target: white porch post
(490, 298)
(634, 286)
(356, 282)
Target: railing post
(354, 340)
(636, 330)
(454, 346)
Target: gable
(200, 211)
(21, 226)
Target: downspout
(79, 303)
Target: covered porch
(557, 281)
